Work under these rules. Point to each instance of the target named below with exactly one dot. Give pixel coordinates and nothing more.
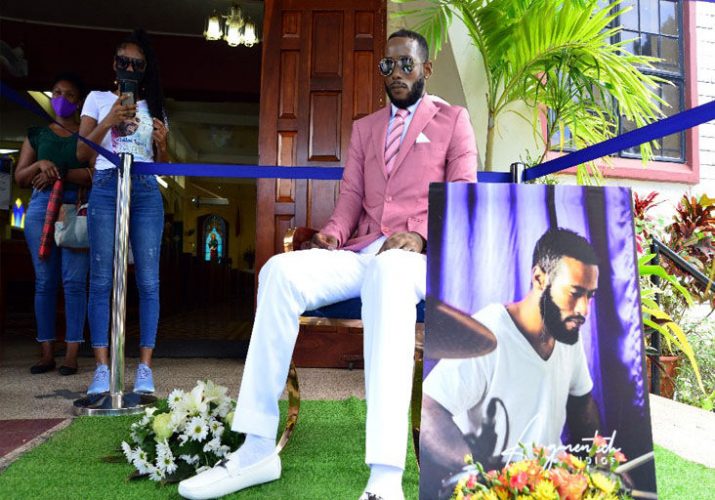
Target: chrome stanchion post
(119, 290)
(517, 172)
(117, 402)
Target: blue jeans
(146, 223)
(63, 263)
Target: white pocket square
(422, 138)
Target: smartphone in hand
(128, 88)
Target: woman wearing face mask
(133, 124)
(49, 154)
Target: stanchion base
(101, 404)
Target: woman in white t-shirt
(134, 122)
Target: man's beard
(417, 89)
(554, 324)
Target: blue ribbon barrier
(244, 171)
(676, 123)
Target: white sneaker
(227, 477)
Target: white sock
(254, 449)
(385, 481)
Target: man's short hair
(557, 243)
(413, 35)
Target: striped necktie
(394, 138)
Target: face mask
(63, 108)
(123, 74)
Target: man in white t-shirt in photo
(534, 382)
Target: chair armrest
(296, 236)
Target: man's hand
(410, 241)
(320, 240)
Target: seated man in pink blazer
(373, 247)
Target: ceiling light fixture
(237, 29)
(213, 27)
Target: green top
(62, 151)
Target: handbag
(71, 226)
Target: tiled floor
(15, 433)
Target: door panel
(318, 75)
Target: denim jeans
(146, 223)
(69, 266)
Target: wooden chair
(346, 313)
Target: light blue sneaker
(144, 380)
(100, 382)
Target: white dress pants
(390, 285)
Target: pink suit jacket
(372, 204)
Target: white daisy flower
(142, 466)
(216, 427)
(175, 398)
(212, 445)
(155, 473)
(189, 459)
(128, 453)
(197, 429)
(150, 411)
(141, 455)
(166, 464)
(183, 438)
(223, 451)
(163, 450)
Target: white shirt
(533, 390)
(130, 137)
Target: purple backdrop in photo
(481, 241)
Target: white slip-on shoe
(366, 495)
(227, 477)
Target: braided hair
(151, 85)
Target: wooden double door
(319, 74)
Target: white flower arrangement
(191, 435)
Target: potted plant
(657, 319)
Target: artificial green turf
(680, 479)
(324, 460)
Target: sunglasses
(387, 65)
(123, 63)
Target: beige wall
(458, 79)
